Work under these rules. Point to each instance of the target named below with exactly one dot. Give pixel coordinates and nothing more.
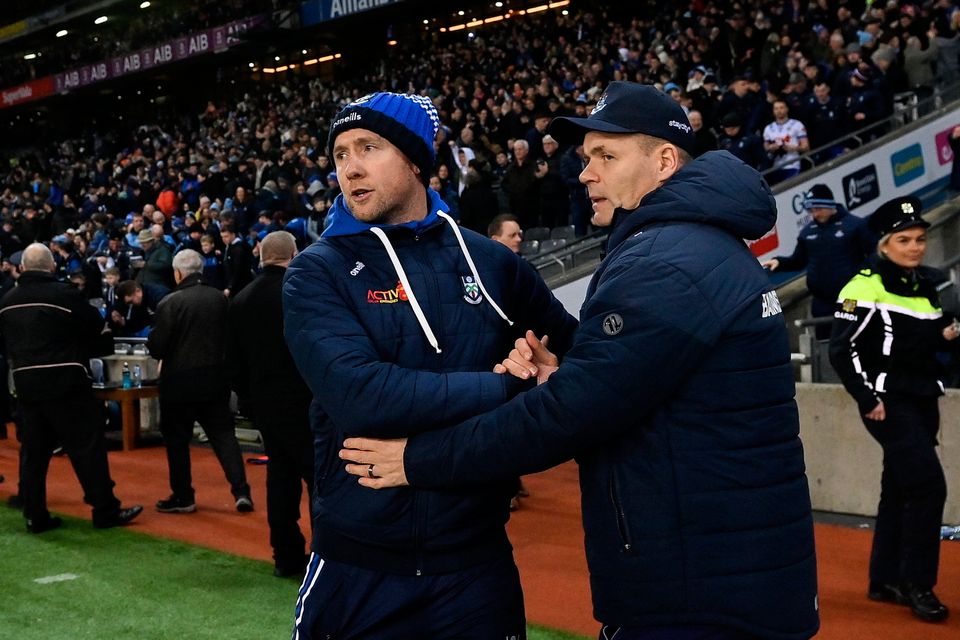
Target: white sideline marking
(63, 577)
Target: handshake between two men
(379, 463)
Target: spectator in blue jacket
(746, 146)
(832, 247)
(677, 398)
(396, 318)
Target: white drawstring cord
(473, 267)
(417, 311)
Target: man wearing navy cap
(831, 247)
(676, 398)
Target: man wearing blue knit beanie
(396, 318)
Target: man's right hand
(771, 264)
(879, 413)
(530, 357)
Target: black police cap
(896, 215)
(628, 107)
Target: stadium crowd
(132, 32)
(765, 80)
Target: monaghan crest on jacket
(471, 290)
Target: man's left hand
(377, 463)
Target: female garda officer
(886, 333)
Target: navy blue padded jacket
(392, 348)
(677, 399)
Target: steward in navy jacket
(677, 398)
(832, 253)
(396, 330)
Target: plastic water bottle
(125, 380)
(950, 533)
(137, 376)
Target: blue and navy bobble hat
(819, 197)
(409, 122)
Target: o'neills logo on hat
(679, 125)
(350, 117)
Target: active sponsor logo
(861, 186)
(771, 304)
(944, 152)
(907, 164)
(390, 296)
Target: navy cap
(628, 107)
(896, 215)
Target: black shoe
(173, 504)
(925, 605)
(294, 569)
(880, 592)
(118, 519)
(244, 504)
(45, 524)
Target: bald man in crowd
(49, 333)
(263, 374)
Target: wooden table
(129, 400)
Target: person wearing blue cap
(832, 247)
(396, 317)
(887, 331)
(676, 398)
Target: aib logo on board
(907, 164)
(861, 186)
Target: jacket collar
(30, 277)
(190, 281)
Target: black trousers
(176, 425)
(75, 422)
(289, 446)
(906, 541)
(820, 308)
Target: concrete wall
(844, 462)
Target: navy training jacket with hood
(831, 252)
(677, 398)
(396, 334)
